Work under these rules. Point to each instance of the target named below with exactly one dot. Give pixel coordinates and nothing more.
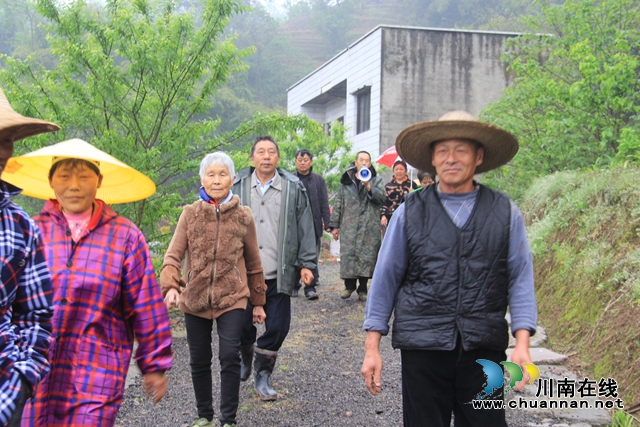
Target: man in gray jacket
(286, 239)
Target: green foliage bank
(576, 98)
(584, 230)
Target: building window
(363, 100)
(327, 126)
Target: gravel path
(317, 375)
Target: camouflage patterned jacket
(356, 213)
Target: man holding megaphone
(355, 220)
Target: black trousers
(350, 284)
(199, 329)
(438, 383)
(277, 323)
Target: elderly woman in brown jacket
(222, 273)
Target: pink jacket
(105, 294)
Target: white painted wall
(360, 65)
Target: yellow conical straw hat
(16, 126)
(121, 183)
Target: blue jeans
(278, 311)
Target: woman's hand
(259, 315)
(155, 385)
(172, 299)
(383, 221)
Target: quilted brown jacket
(223, 268)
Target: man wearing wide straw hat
(454, 257)
(25, 285)
(104, 284)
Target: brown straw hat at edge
(415, 143)
(16, 126)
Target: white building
(396, 76)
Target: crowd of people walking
(78, 284)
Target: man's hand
(521, 355)
(335, 233)
(367, 185)
(383, 221)
(372, 364)
(306, 276)
(172, 299)
(259, 315)
(155, 385)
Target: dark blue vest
(457, 279)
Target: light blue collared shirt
(263, 188)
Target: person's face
(363, 160)
(75, 187)
(399, 172)
(6, 151)
(217, 181)
(265, 157)
(455, 161)
(426, 181)
(303, 164)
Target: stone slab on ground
(543, 356)
(590, 415)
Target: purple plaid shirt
(105, 294)
(25, 303)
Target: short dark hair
(399, 162)
(363, 152)
(424, 174)
(73, 163)
(303, 152)
(264, 138)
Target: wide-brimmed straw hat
(120, 183)
(415, 143)
(16, 126)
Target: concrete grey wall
(427, 72)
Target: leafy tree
(297, 9)
(575, 101)
(21, 32)
(275, 63)
(510, 15)
(334, 19)
(132, 78)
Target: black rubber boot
(246, 357)
(264, 365)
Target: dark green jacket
(357, 214)
(296, 233)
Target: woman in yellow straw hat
(25, 283)
(105, 288)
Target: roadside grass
(584, 231)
